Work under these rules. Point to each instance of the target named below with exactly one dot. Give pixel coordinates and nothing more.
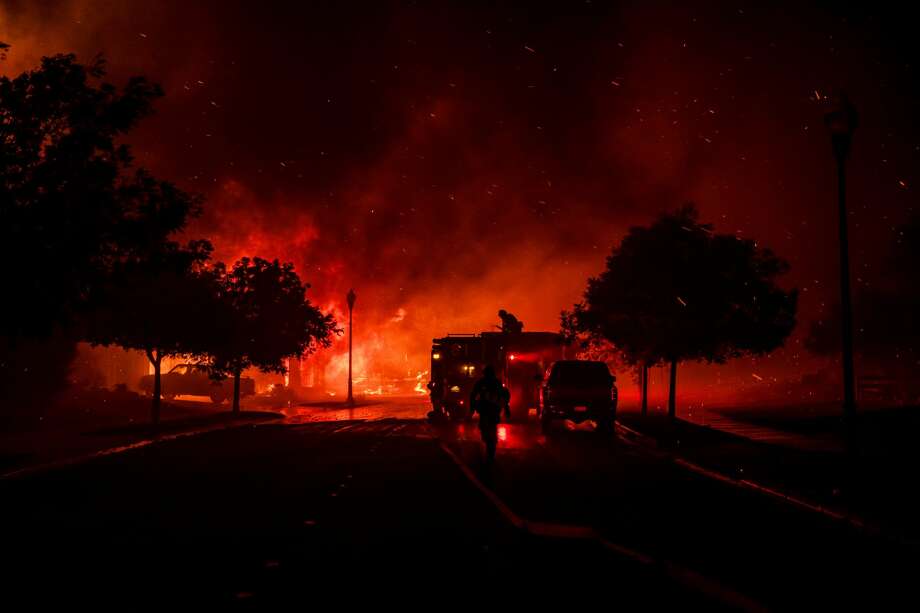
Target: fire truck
(519, 359)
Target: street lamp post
(841, 121)
(350, 299)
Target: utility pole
(350, 299)
(841, 121)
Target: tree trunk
(643, 378)
(236, 392)
(672, 391)
(155, 408)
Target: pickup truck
(579, 390)
(193, 380)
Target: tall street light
(842, 120)
(350, 299)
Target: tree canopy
(676, 291)
(262, 317)
(71, 202)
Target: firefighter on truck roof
(510, 323)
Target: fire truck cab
(519, 359)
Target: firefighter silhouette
(510, 323)
(490, 399)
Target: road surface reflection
(412, 407)
(415, 408)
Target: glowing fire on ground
(385, 360)
(420, 382)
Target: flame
(420, 382)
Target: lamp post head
(350, 299)
(841, 120)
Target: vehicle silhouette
(579, 390)
(194, 380)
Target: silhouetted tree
(675, 291)
(162, 304)
(264, 317)
(71, 203)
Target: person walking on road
(490, 399)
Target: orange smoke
(445, 175)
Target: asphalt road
(375, 504)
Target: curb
(855, 521)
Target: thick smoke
(448, 161)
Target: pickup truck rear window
(580, 374)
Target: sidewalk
(63, 434)
(748, 424)
(878, 486)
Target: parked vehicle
(193, 380)
(579, 390)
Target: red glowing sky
(450, 159)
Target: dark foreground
(378, 509)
